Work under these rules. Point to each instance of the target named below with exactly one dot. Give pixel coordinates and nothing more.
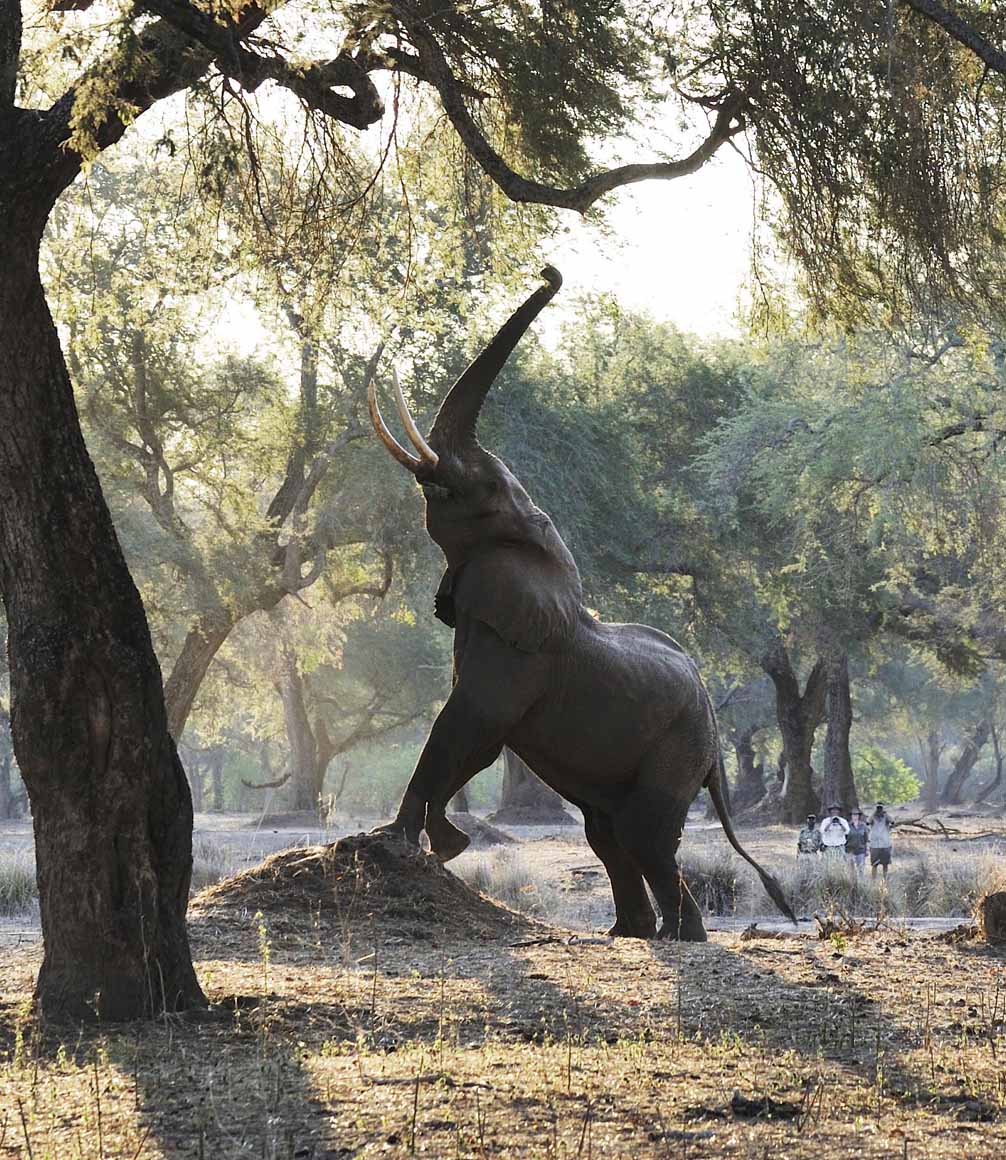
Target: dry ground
(352, 1025)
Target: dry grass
(505, 876)
(931, 884)
(17, 885)
(344, 1031)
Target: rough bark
(798, 715)
(839, 782)
(953, 788)
(202, 643)
(10, 801)
(525, 799)
(308, 762)
(217, 778)
(932, 751)
(750, 787)
(195, 772)
(993, 784)
(111, 806)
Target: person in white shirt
(880, 840)
(833, 831)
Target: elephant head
(506, 563)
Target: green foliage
(881, 777)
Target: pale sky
(679, 249)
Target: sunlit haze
(679, 250)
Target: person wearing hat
(880, 840)
(834, 829)
(808, 843)
(855, 841)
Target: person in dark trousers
(880, 840)
(856, 840)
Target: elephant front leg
(463, 742)
(495, 687)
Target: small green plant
(264, 947)
(881, 777)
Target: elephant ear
(443, 601)
(530, 597)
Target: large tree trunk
(217, 777)
(8, 799)
(986, 790)
(525, 799)
(839, 782)
(750, 787)
(932, 751)
(202, 644)
(953, 789)
(307, 773)
(798, 715)
(195, 772)
(110, 802)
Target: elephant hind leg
(648, 825)
(446, 840)
(634, 917)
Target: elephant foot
(408, 825)
(640, 929)
(446, 840)
(684, 932)
(396, 830)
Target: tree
(363, 680)
(525, 799)
(88, 713)
(975, 739)
(839, 782)
(881, 777)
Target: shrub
(947, 885)
(504, 876)
(211, 862)
(880, 777)
(716, 879)
(18, 890)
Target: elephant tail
(714, 783)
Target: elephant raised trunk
(454, 426)
(459, 412)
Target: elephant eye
(435, 491)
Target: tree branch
(312, 83)
(962, 32)
(437, 71)
(280, 781)
(154, 63)
(10, 50)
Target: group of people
(835, 837)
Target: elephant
(614, 717)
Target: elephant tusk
(397, 450)
(420, 444)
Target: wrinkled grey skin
(615, 717)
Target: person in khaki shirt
(808, 842)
